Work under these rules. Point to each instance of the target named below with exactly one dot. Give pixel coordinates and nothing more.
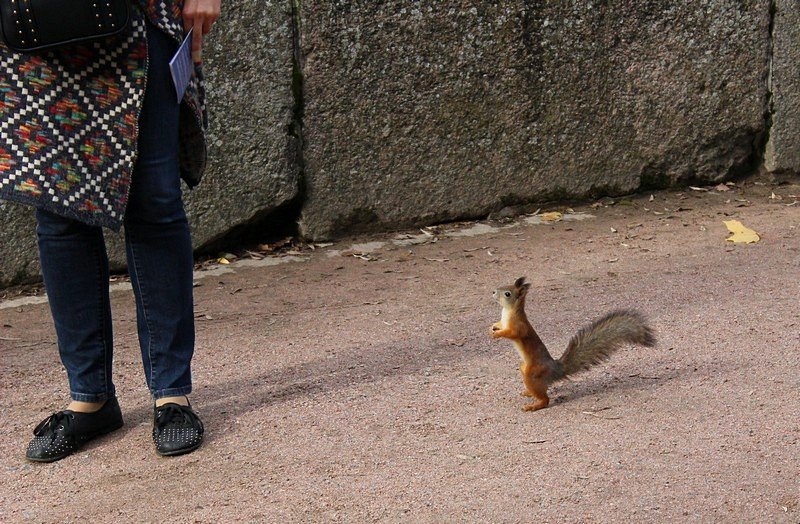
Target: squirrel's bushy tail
(597, 341)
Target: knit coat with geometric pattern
(69, 120)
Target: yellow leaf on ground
(552, 216)
(223, 260)
(741, 234)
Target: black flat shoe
(176, 429)
(66, 432)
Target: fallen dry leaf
(275, 245)
(741, 234)
(552, 216)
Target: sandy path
(344, 389)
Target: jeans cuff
(90, 397)
(172, 392)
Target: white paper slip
(181, 66)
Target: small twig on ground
(595, 413)
(644, 376)
(34, 344)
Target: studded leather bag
(35, 25)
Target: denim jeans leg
(158, 240)
(75, 271)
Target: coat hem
(91, 219)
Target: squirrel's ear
(526, 287)
(519, 282)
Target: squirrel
(589, 346)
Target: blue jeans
(159, 251)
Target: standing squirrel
(589, 346)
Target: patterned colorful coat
(68, 121)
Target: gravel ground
(358, 383)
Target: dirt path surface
(357, 383)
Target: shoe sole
(181, 451)
(88, 439)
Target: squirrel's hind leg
(526, 392)
(534, 388)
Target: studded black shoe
(176, 429)
(65, 432)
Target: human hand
(199, 15)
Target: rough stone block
(19, 260)
(252, 146)
(417, 112)
(252, 171)
(783, 148)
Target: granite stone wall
(419, 112)
(783, 149)
(359, 115)
(254, 142)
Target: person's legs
(75, 271)
(157, 234)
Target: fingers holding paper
(199, 15)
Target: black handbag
(35, 25)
